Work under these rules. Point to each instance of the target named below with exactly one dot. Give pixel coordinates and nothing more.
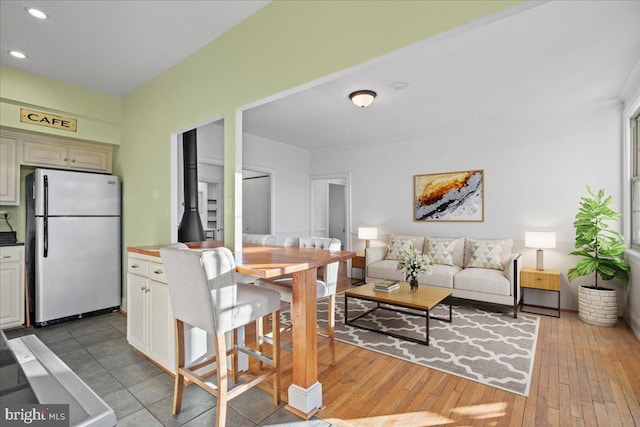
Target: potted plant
(601, 250)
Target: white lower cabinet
(12, 300)
(149, 317)
(150, 320)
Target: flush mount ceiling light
(36, 13)
(362, 98)
(17, 54)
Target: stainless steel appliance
(73, 243)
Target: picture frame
(449, 196)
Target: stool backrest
(201, 284)
(330, 271)
(320, 243)
(259, 239)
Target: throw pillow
(440, 250)
(485, 254)
(397, 247)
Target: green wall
(98, 115)
(283, 45)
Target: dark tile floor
(140, 393)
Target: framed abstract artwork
(449, 196)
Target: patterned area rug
(491, 348)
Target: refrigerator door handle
(46, 217)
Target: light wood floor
(583, 376)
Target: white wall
(289, 170)
(535, 174)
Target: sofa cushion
(505, 255)
(482, 280)
(385, 269)
(439, 251)
(398, 245)
(441, 276)
(454, 246)
(486, 255)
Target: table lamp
(367, 233)
(540, 240)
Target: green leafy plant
(600, 247)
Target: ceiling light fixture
(36, 13)
(362, 98)
(17, 54)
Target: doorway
(330, 208)
(256, 202)
(337, 212)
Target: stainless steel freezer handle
(46, 217)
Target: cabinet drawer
(156, 272)
(358, 261)
(138, 266)
(535, 279)
(11, 254)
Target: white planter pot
(598, 307)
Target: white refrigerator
(73, 244)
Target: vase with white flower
(413, 262)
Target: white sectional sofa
(474, 269)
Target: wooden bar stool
(204, 294)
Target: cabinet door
(44, 154)
(160, 344)
(9, 172)
(11, 291)
(86, 159)
(137, 311)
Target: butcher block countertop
(155, 249)
(264, 261)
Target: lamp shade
(540, 239)
(362, 98)
(367, 233)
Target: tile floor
(139, 392)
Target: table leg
(305, 392)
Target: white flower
(413, 262)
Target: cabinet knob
(147, 289)
(538, 278)
(135, 266)
(158, 271)
(142, 288)
(73, 160)
(6, 256)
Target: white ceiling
(112, 46)
(541, 59)
(548, 59)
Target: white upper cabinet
(76, 156)
(9, 171)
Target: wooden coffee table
(426, 299)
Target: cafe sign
(50, 120)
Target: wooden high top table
(305, 392)
(268, 262)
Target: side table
(545, 280)
(358, 262)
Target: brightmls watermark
(35, 415)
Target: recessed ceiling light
(17, 54)
(36, 13)
(400, 85)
